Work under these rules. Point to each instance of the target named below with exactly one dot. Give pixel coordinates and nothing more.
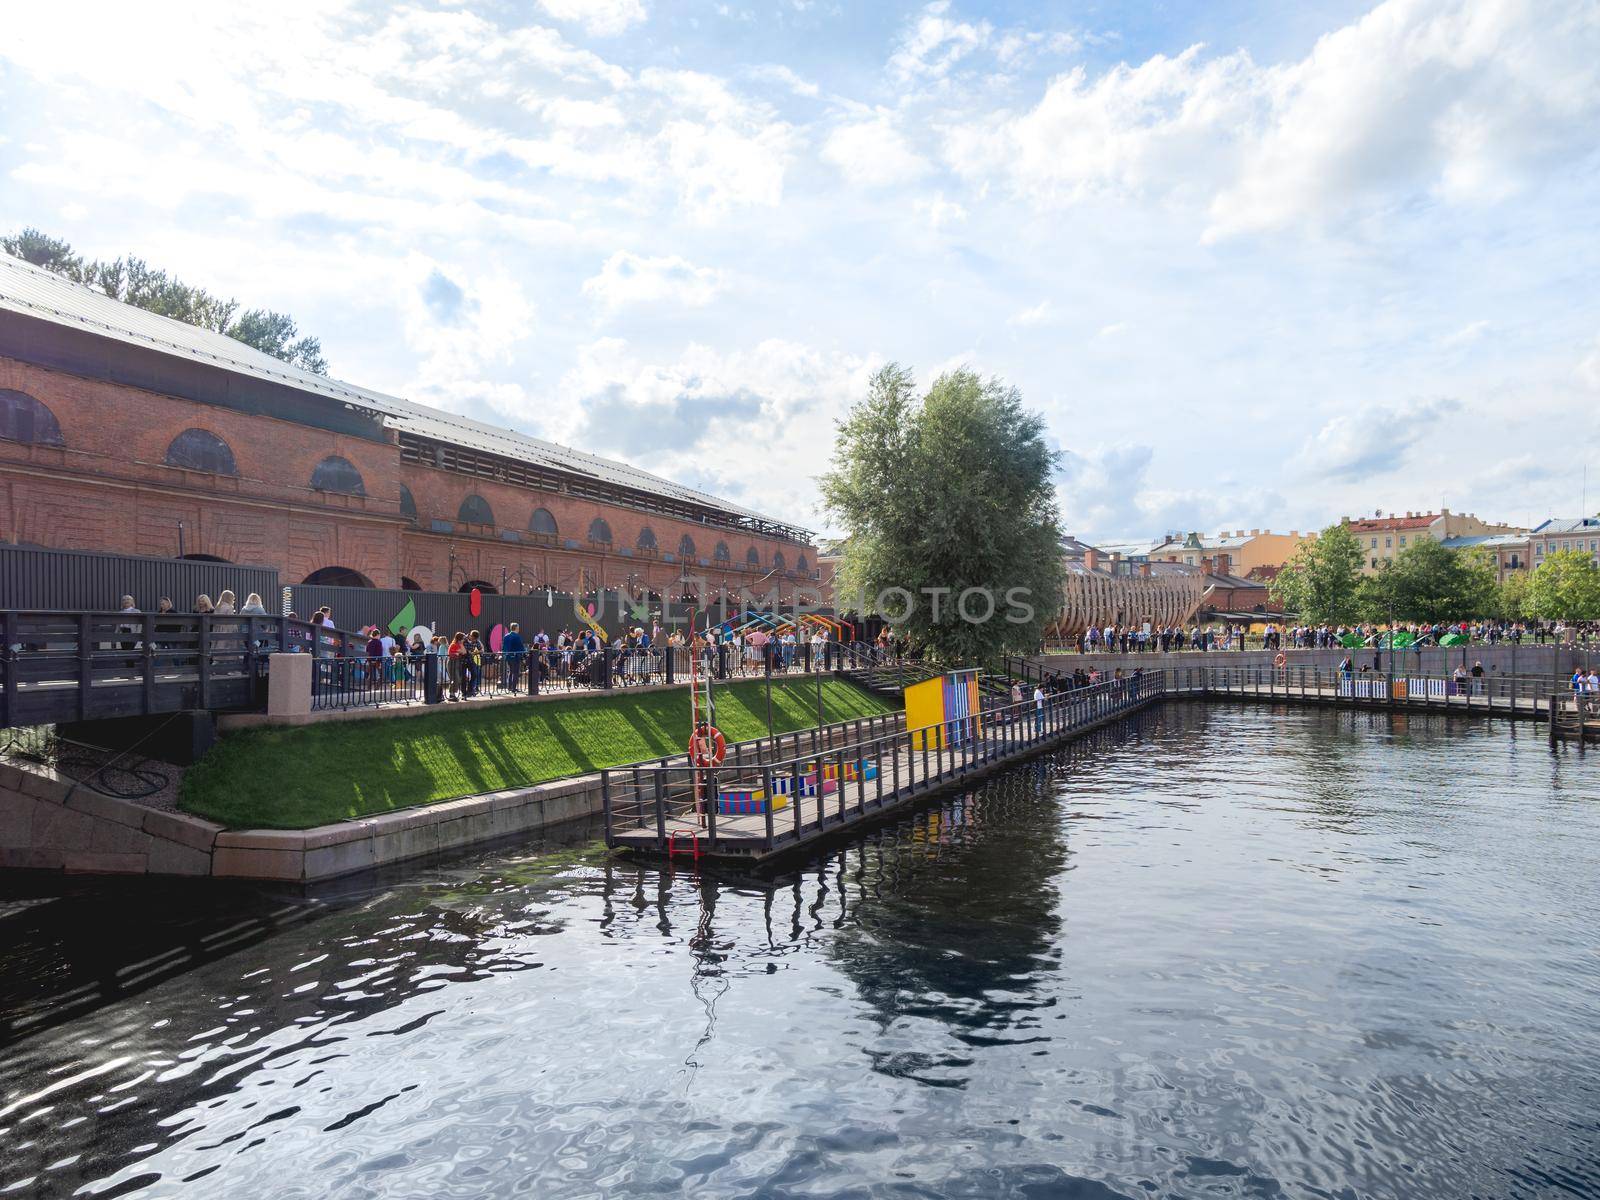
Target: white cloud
(1467, 334)
(1373, 439)
(602, 18)
(627, 279)
(1589, 368)
(935, 43)
(873, 153)
(1456, 100)
(786, 76)
(1115, 330)
(940, 212)
(1041, 313)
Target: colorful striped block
(734, 802)
(852, 770)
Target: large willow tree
(950, 513)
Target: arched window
(408, 506)
(721, 554)
(777, 560)
(646, 539)
(686, 547)
(800, 564)
(475, 510)
(335, 474)
(410, 584)
(24, 419)
(752, 557)
(337, 577)
(201, 450)
(487, 588)
(543, 522)
(599, 531)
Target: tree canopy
(1565, 587)
(949, 507)
(133, 281)
(1431, 582)
(1320, 582)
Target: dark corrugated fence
(88, 581)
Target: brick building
(125, 431)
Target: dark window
(24, 419)
(409, 584)
(335, 474)
(408, 503)
(646, 539)
(777, 560)
(800, 564)
(543, 522)
(475, 510)
(753, 557)
(686, 547)
(599, 531)
(337, 577)
(721, 553)
(201, 450)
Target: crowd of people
(1113, 639)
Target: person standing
(1038, 708)
(514, 648)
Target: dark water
(1219, 952)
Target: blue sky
(1259, 265)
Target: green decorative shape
(1453, 639)
(405, 618)
(1351, 641)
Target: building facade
(1382, 537)
(1577, 533)
(124, 431)
(1238, 552)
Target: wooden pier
(798, 799)
(780, 798)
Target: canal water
(1210, 952)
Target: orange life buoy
(707, 747)
(1281, 661)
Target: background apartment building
(1382, 537)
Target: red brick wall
(109, 489)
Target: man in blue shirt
(513, 647)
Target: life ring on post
(1281, 661)
(707, 747)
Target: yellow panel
(924, 707)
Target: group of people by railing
(391, 669)
(1279, 635)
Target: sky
(1259, 265)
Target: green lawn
(313, 774)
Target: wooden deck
(652, 808)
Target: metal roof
(1569, 525)
(34, 292)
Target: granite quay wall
(1554, 662)
(52, 823)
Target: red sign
(475, 602)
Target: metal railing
(843, 776)
(1507, 692)
(67, 666)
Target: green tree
(42, 250)
(951, 499)
(1565, 587)
(1428, 581)
(1319, 582)
(1512, 603)
(134, 281)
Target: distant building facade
(1576, 533)
(1239, 552)
(1382, 537)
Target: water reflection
(1206, 952)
